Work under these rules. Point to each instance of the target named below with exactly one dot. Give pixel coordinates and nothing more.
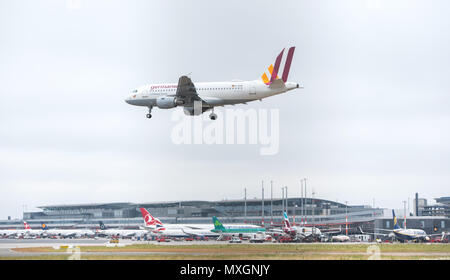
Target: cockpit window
(135, 91)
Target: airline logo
(396, 226)
(286, 221)
(150, 220)
(273, 70)
(26, 225)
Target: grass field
(246, 252)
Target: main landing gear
(213, 116)
(149, 115)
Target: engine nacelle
(167, 102)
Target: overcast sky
(371, 123)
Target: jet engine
(167, 102)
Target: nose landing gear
(149, 115)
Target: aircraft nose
(128, 99)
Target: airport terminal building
(312, 211)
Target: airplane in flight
(155, 226)
(197, 98)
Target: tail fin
(273, 70)
(44, 226)
(287, 65)
(217, 224)
(102, 225)
(149, 220)
(286, 221)
(26, 225)
(396, 226)
(276, 67)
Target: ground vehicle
(235, 240)
(205, 238)
(163, 239)
(258, 238)
(285, 239)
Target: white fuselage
(340, 238)
(306, 231)
(122, 232)
(212, 93)
(19, 232)
(410, 234)
(67, 232)
(182, 230)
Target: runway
(211, 250)
(6, 245)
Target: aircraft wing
(191, 233)
(376, 234)
(438, 234)
(386, 230)
(186, 90)
(194, 228)
(275, 230)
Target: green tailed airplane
(235, 229)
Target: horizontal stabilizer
(277, 84)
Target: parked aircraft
(66, 233)
(404, 234)
(241, 230)
(119, 232)
(300, 231)
(27, 231)
(155, 226)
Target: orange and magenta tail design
(273, 70)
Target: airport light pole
(313, 208)
(301, 198)
(305, 200)
(245, 205)
(374, 227)
(404, 210)
(262, 201)
(346, 218)
(295, 209)
(271, 202)
(287, 204)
